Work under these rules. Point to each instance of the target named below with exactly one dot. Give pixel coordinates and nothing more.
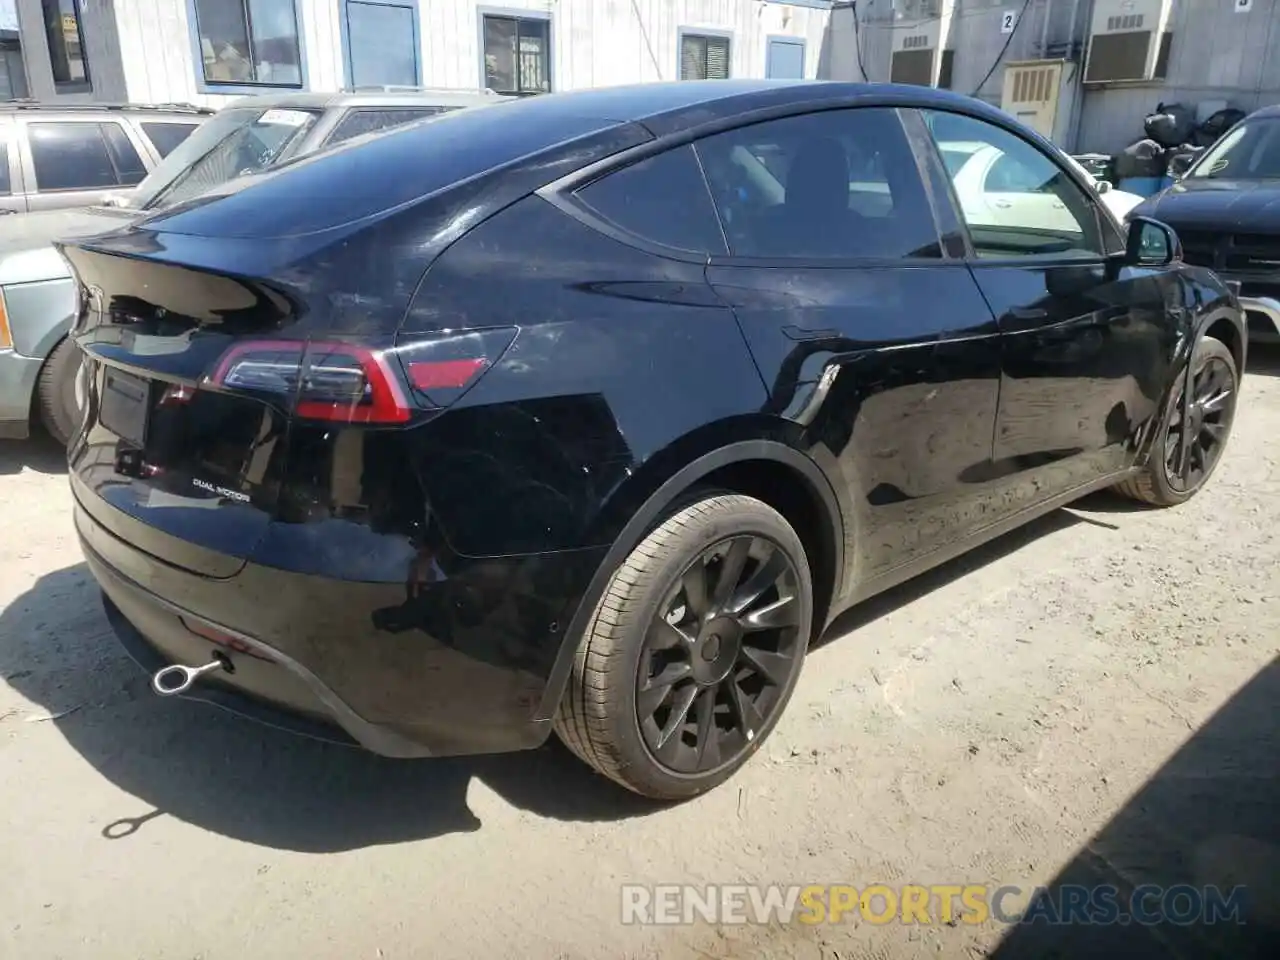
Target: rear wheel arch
(768, 470)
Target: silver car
(38, 364)
(56, 155)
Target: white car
(1001, 193)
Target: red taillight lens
(441, 367)
(338, 382)
(351, 383)
(428, 375)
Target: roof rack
(393, 88)
(27, 103)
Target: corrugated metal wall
(605, 42)
(142, 50)
(974, 34)
(1216, 54)
(101, 44)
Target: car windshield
(233, 142)
(1251, 151)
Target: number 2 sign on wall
(1009, 20)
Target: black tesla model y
(589, 412)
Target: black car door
(1087, 344)
(877, 346)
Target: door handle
(1002, 204)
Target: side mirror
(1104, 186)
(1151, 243)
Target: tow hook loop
(175, 679)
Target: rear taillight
(440, 368)
(350, 383)
(319, 380)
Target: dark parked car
(589, 412)
(1226, 210)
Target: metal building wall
(146, 50)
(1216, 54)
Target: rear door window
(834, 185)
(361, 121)
(662, 199)
(165, 137)
(77, 155)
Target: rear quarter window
(662, 199)
(361, 121)
(165, 136)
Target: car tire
(56, 392)
(1215, 387)
(718, 598)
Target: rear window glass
(353, 181)
(663, 199)
(246, 148)
(165, 137)
(358, 122)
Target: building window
(65, 36)
(249, 42)
(517, 54)
(381, 43)
(703, 57)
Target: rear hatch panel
(201, 468)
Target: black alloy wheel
(1191, 441)
(693, 650)
(719, 655)
(1196, 438)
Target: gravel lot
(1092, 697)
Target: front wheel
(1190, 445)
(693, 651)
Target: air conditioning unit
(919, 32)
(1040, 94)
(1128, 40)
(915, 54)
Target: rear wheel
(56, 392)
(1189, 445)
(693, 651)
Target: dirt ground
(1092, 699)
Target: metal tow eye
(176, 678)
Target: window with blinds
(704, 58)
